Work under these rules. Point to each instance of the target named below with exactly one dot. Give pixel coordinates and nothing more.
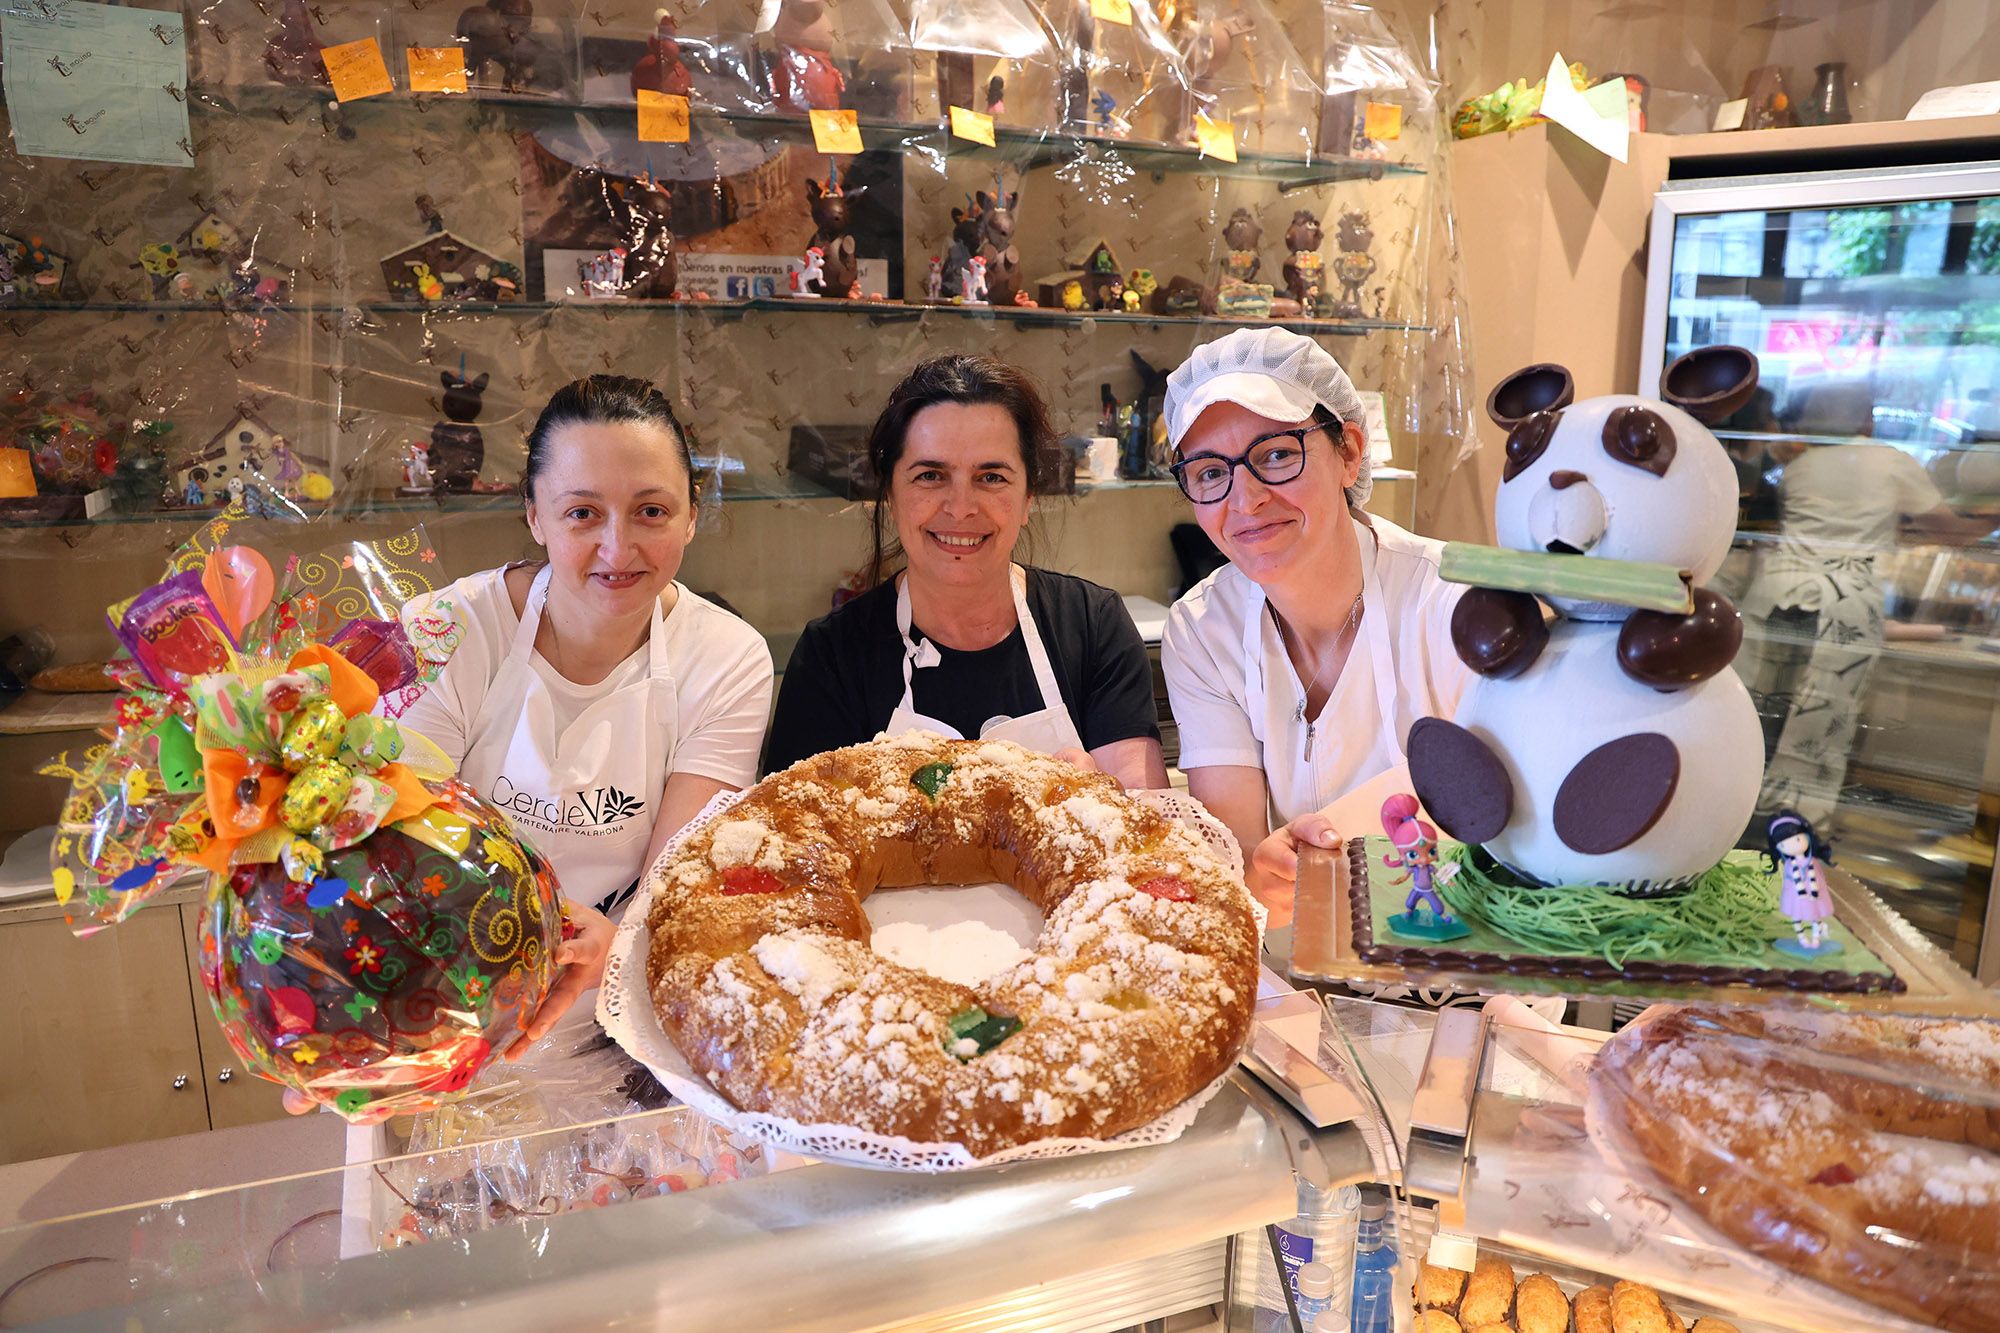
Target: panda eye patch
(1641, 438)
(1528, 441)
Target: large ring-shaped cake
(1138, 993)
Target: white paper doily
(625, 1009)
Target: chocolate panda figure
(1612, 746)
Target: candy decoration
(370, 742)
(972, 1031)
(750, 879)
(238, 580)
(930, 779)
(313, 734)
(1582, 578)
(1168, 888)
(316, 791)
(180, 762)
(302, 860)
(325, 893)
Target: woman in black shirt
(963, 641)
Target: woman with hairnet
(1297, 669)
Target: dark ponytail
(968, 381)
(604, 400)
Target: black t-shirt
(846, 675)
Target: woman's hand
(1274, 865)
(582, 962)
(1071, 754)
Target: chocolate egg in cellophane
(390, 979)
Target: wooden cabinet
(110, 1038)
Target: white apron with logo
(587, 798)
(1046, 731)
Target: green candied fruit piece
(1586, 578)
(930, 779)
(983, 1030)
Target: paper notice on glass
(98, 82)
(1967, 99)
(1575, 112)
(1376, 409)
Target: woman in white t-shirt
(1296, 670)
(591, 697)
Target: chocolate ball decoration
(388, 981)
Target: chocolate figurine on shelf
(1073, 99)
(954, 80)
(292, 54)
(975, 282)
(996, 246)
(1353, 266)
(1424, 915)
(643, 208)
(996, 97)
(660, 70)
(502, 48)
(1242, 235)
(1801, 859)
(800, 72)
(1131, 301)
(965, 230)
(1304, 265)
(1140, 282)
(1072, 295)
(829, 204)
(457, 448)
(1111, 296)
(809, 279)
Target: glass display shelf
(879, 311)
(1023, 147)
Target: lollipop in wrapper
(373, 931)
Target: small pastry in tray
(1437, 1321)
(1492, 1328)
(1636, 1308)
(1489, 1294)
(1710, 1324)
(1540, 1306)
(1593, 1310)
(1439, 1288)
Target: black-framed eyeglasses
(1273, 459)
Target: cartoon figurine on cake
(1801, 858)
(1424, 915)
(1614, 745)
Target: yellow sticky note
(663, 117)
(974, 125)
(357, 70)
(17, 476)
(1383, 120)
(1215, 138)
(1112, 11)
(437, 69)
(836, 132)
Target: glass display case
(1868, 465)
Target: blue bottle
(1373, 1309)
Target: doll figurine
(1424, 914)
(934, 281)
(1801, 857)
(802, 75)
(810, 280)
(975, 282)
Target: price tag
(437, 69)
(836, 132)
(1215, 138)
(1112, 11)
(1382, 120)
(974, 125)
(663, 117)
(17, 476)
(357, 70)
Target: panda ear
(1710, 383)
(1543, 387)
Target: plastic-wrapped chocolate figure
(1354, 265)
(829, 210)
(996, 246)
(1304, 266)
(801, 71)
(501, 46)
(457, 448)
(660, 70)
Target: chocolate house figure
(830, 205)
(660, 70)
(247, 448)
(212, 261)
(447, 267)
(458, 450)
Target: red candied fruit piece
(1168, 887)
(750, 879)
(1840, 1173)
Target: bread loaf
(1437, 1321)
(1593, 1310)
(1540, 1306)
(1636, 1308)
(1439, 1288)
(1489, 1293)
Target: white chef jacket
(1236, 696)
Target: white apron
(1309, 765)
(1046, 731)
(587, 799)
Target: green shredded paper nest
(1724, 917)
